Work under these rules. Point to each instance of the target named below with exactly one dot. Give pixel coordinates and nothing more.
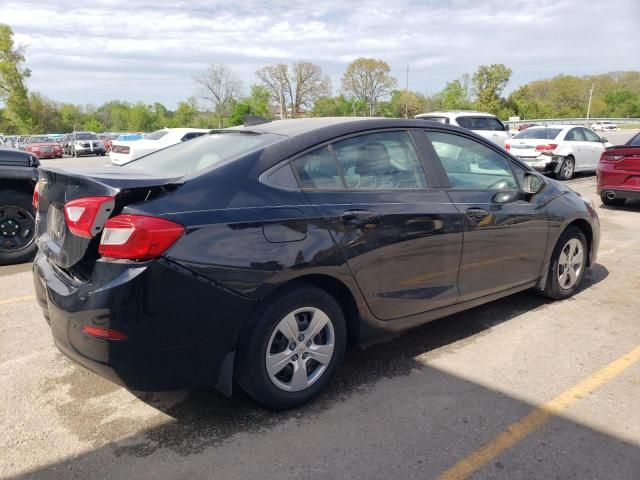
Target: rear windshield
(213, 150)
(635, 141)
(435, 119)
(539, 133)
(158, 134)
(86, 136)
(480, 123)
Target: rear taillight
(507, 147)
(120, 149)
(547, 148)
(83, 215)
(36, 196)
(138, 237)
(610, 158)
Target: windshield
(158, 134)
(86, 136)
(539, 133)
(39, 140)
(215, 149)
(480, 123)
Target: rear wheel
(614, 202)
(17, 225)
(293, 349)
(567, 168)
(568, 264)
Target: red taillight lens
(507, 147)
(105, 333)
(80, 214)
(547, 148)
(610, 158)
(138, 237)
(120, 149)
(36, 196)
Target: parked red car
(619, 172)
(43, 147)
(107, 139)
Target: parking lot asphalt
(521, 388)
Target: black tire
(251, 370)
(9, 252)
(567, 168)
(614, 202)
(553, 289)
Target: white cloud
(141, 50)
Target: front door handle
(358, 218)
(477, 213)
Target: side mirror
(603, 139)
(532, 183)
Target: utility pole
(589, 107)
(406, 96)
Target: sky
(135, 50)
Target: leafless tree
(218, 85)
(294, 89)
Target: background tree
(488, 83)
(13, 91)
(218, 85)
(255, 104)
(295, 90)
(369, 80)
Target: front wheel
(17, 227)
(293, 349)
(567, 168)
(568, 264)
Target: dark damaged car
(259, 253)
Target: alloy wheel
(16, 228)
(570, 264)
(567, 168)
(300, 349)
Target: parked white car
(484, 124)
(603, 126)
(124, 151)
(560, 149)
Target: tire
(559, 286)
(613, 202)
(17, 218)
(278, 390)
(567, 168)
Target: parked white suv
(124, 151)
(484, 124)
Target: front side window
(470, 164)
(590, 136)
(385, 160)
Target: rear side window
(480, 123)
(574, 135)
(635, 141)
(471, 165)
(318, 169)
(385, 160)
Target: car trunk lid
(58, 187)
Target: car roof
(455, 113)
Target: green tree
(488, 83)
(368, 79)
(186, 115)
(455, 96)
(13, 91)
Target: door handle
(358, 218)
(476, 213)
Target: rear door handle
(476, 213)
(358, 218)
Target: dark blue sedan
(259, 253)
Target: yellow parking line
(17, 299)
(538, 417)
